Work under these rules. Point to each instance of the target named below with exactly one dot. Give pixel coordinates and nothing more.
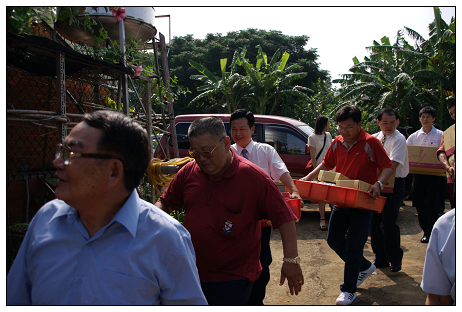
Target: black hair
(409, 130)
(243, 113)
(387, 111)
(321, 122)
(207, 125)
(451, 103)
(346, 112)
(126, 138)
(429, 110)
(402, 131)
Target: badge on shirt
(228, 226)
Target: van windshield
(306, 129)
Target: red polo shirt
(223, 216)
(360, 161)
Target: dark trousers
(385, 234)
(349, 247)
(452, 194)
(259, 287)
(227, 293)
(426, 191)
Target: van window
(285, 139)
(181, 135)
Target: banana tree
(270, 83)
(228, 89)
(402, 76)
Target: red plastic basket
(340, 196)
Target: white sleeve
(399, 151)
(440, 259)
(276, 165)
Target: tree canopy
(208, 52)
(404, 76)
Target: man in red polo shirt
(357, 155)
(225, 196)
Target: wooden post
(147, 106)
(162, 110)
(176, 153)
(61, 94)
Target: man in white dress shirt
(426, 188)
(266, 157)
(385, 234)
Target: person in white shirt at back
(242, 124)
(385, 233)
(319, 142)
(426, 188)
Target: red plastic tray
(340, 196)
(295, 204)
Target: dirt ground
(323, 269)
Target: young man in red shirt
(357, 155)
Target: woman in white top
(319, 143)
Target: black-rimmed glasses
(65, 152)
(195, 154)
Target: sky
(338, 33)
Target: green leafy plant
(179, 216)
(22, 19)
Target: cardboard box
(450, 146)
(389, 185)
(330, 176)
(423, 160)
(354, 184)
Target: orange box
(340, 196)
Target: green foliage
(179, 216)
(263, 89)
(160, 95)
(21, 19)
(215, 47)
(113, 104)
(405, 77)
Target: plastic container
(294, 204)
(340, 196)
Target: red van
(288, 136)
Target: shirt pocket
(122, 289)
(230, 225)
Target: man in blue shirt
(99, 243)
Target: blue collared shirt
(142, 257)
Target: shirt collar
(64, 210)
(127, 215)
(249, 148)
(388, 136)
(432, 131)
